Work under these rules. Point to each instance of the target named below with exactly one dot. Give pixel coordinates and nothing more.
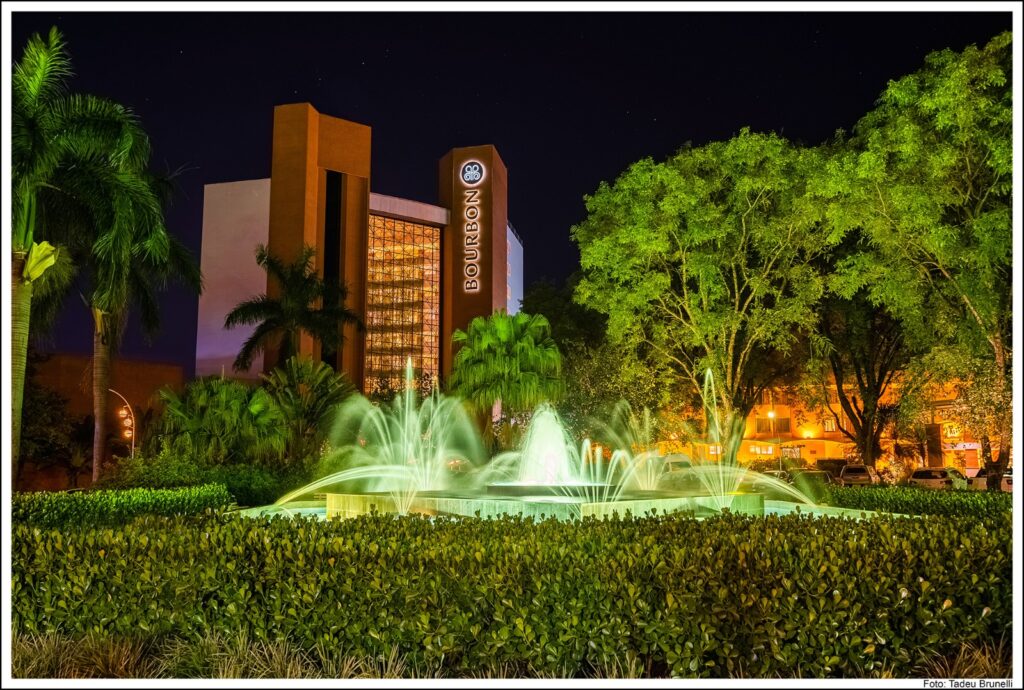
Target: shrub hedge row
(914, 500)
(113, 507)
(734, 595)
(251, 485)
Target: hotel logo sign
(471, 174)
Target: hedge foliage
(735, 595)
(912, 500)
(251, 485)
(113, 507)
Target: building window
(782, 425)
(403, 302)
(830, 424)
(762, 450)
(763, 425)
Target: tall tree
(928, 179)
(121, 245)
(58, 142)
(508, 358)
(867, 351)
(308, 304)
(707, 259)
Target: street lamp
(127, 416)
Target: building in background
(414, 271)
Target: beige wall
(236, 218)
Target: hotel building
(415, 271)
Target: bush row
(734, 595)
(917, 501)
(85, 508)
(251, 485)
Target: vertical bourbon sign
(471, 175)
(473, 185)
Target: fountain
(425, 457)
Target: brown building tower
(415, 271)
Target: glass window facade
(403, 302)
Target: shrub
(914, 500)
(734, 595)
(251, 485)
(221, 421)
(112, 507)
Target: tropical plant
(307, 304)
(307, 393)
(128, 265)
(218, 421)
(60, 142)
(508, 358)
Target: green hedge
(250, 485)
(914, 500)
(733, 595)
(112, 507)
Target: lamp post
(127, 414)
(771, 431)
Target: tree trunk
(994, 468)
(731, 437)
(21, 311)
(868, 446)
(100, 395)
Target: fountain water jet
(426, 456)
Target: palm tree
(508, 358)
(307, 304)
(307, 393)
(58, 140)
(132, 258)
(115, 234)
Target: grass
(60, 656)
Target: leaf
(40, 257)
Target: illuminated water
(426, 456)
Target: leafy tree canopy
(707, 259)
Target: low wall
(354, 505)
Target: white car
(938, 478)
(858, 475)
(979, 482)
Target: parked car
(781, 475)
(938, 478)
(859, 475)
(979, 482)
(814, 483)
(760, 482)
(677, 462)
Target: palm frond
(254, 310)
(39, 75)
(256, 343)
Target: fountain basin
(342, 506)
(532, 489)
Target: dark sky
(568, 99)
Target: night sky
(569, 100)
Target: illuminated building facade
(414, 271)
